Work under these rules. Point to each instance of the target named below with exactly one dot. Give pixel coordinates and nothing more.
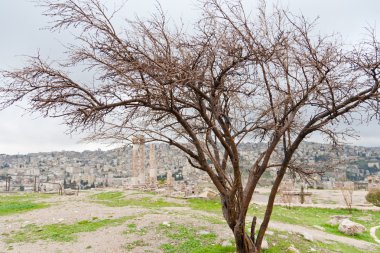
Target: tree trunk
(244, 243)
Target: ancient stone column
(138, 160)
(152, 166)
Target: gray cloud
(21, 34)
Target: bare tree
(347, 196)
(234, 78)
(347, 190)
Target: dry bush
(373, 197)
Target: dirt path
(373, 233)
(286, 227)
(322, 199)
(322, 236)
(315, 233)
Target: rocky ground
(144, 222)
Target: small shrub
(373, 197)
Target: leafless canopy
(234, 77)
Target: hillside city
(112, 168)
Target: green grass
(132, 229)
(11, 204)
(108, 195)
(116, 199)
(210, 219)
(308, 216)
(184, 239)
(280, 244)
(378, 233)
(334, 230)
(305, 216)
(205, 205)
(62, 232)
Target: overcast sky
(21, 34)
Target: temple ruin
(140, 175)
(138, 160)
(152, 166)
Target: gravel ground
(70, 209)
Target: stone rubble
(349, 227)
